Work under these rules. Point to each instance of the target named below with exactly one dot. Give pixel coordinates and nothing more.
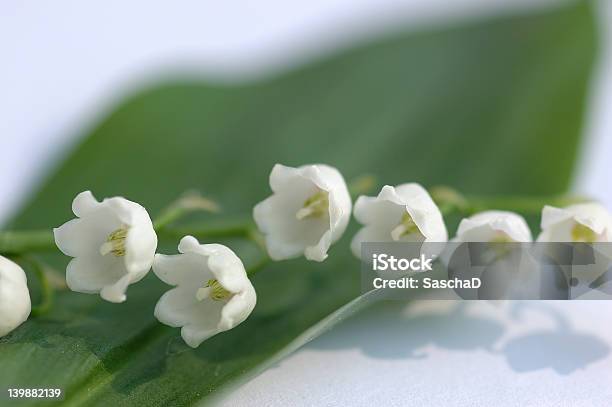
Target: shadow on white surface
(428, 353)
(393, 334)
(561, 348)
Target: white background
(64, 62)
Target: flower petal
(483, 226)
(281, 176)
(77, 237)
(557, 223)
(188, 269)
(194, 336)
(116, 291)
(552, 216)
(177, 306)
(423, 211)
(238, 308)
(318, 252)
(15, 303)
(286, 236)
(226, 267)
(141, 243)
(380, 211)
(90, 275)
(84, 203)
(370, 233)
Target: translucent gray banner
(488, 271)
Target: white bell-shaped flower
(308, 211)
(587, 223)
(212, 291)
(15, 305)
(113, 244)
(405, 213)
(494, 226)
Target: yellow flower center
(502, 245)
(115, 243)
(314, 207)
(583, 234)
(213, 290)
(405, 227)
(501, 237)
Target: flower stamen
(404, 228)
(115, 243)
(214, 290)
(501, 246)
(314, 207)
(583, 234)
(501, 237)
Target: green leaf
(488, 107)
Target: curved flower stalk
(309, 210)
(586, 223)
(15, 304)
(212, 291)
(405, 213)
(494, 227)
(113, 244)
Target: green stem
(257, 267)
(521, 204)
(26, 241)
(451, 201)
(243, 230)
(167, 217)
(361, 185)
(246, 230)
(190, 202)
(47, 291)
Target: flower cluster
(113, 244)
(580, 223)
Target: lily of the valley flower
(113, 244)
(405, 213)
(15, 305)
(494, 227)
(212, 291)
(586, 223)
(308, 211)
